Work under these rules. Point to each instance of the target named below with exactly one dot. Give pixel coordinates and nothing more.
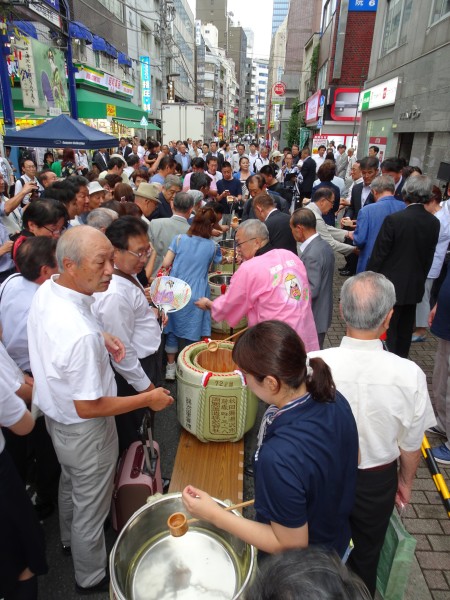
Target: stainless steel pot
(220, 279)
(206, 563)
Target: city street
(425, 518)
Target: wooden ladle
(178, 523)
(213, 345)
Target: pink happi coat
(271, 286)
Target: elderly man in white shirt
(75, 389)
(390, 402)
(124, 311)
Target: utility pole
(166, 17)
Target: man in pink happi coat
(271, 283)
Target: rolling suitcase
(138, 476)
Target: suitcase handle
(150, 454)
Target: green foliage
(294, 123)
(314, 64)
(249, 125)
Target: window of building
(398, 13)
(145, 38)
(439, 10)
(114, 6)
(328, 12)
(322, 76)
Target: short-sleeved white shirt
(16, 295)
(388, 396)
(12, 408)
(124, 311)
(68, 356)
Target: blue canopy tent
(61, 132)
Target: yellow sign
(110, 110)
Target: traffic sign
(319, 123)
(279, 88)
(144, 122)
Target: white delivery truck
(180, 121)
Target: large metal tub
(148, 563)
(218, 285)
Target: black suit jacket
(355, 201)
(280, 234)
(398, 191)
(308, 172)
(404, 251)
(125, 152)
(102, 163)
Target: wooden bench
(215, 467)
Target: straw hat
(95, 187)
(150, 191)
(276, 154)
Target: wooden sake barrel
(213, 400)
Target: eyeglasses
(55, 232)
(245, 241)
(140, 255)
(330, 201)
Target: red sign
(279, 88)
(312, 107)
(345, 104)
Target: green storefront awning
(92, 105)
(136, 124)
(20, 111)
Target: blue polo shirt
(306, 471)
(234, 186)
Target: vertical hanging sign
(146, 83)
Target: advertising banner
(51, 80)
(146, 83)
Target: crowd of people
(82, 238)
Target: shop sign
(380, 95)
(110, 110)
(27, 74)
(312, 107)
(198, 32)
(146, 83)
(362, 5)
(103, 81)
(46, 12)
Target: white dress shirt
(16, 294)
(18, 187)
(388, 396)
(124, 311)
(68, 356)
(12, 408)
(305, 244)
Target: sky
(255, 14)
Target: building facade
(237, 51)
(302, 21)
(341, 65)
(405, 99)
(259, 75)
(216, 12)
(279, 13)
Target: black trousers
(374, 503)
(401, 328)
(129, 423)
(35, 460)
